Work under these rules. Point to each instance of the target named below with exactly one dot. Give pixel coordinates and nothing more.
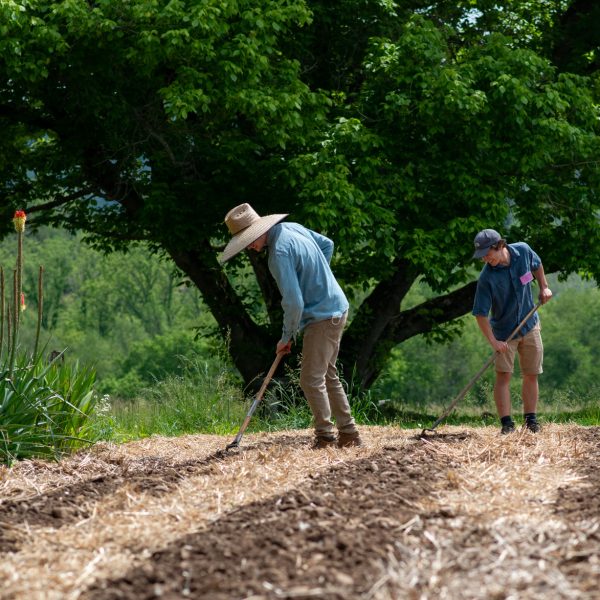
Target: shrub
(44, 408)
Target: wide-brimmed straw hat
(246, 226)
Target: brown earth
(465, 513)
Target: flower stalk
(15, 313)
(40, 310)
(19, 222)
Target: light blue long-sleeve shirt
(299, 262)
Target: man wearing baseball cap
(502, 300)
(313, 303)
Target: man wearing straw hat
(313, 302)
(504, 288)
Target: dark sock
(506, 420)
(530, 417)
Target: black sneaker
(533, 426)
(507, 428)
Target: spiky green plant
(44, 408)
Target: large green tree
(398, 130)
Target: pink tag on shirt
(526, 278)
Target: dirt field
(462, 514)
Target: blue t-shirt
(299, 261)
(506, 292)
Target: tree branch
(370, 323)
(60, 201)
(424, 317)
(268, 287)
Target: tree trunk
(269, 289)
(251, 347)
(361, 348)
(577, 32)
(375, 330)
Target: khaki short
(531, 354)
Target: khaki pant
(531, 354)
(319, 378)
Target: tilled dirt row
(372, 528)
(463, 514)
(325, 539)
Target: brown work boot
(324, 441)
(346, 440)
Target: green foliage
(571, 344)
(151, 360)
(44, 408)
(449, 144)
(180, 97)
(420, 374)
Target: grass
(202, 399)
(48, 410)
(208, 399)
(589, 416)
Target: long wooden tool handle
(257, 400)
(269, 375)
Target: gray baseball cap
(484, 240)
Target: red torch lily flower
(19, 220)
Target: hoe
(257, 399)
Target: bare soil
(465, 513)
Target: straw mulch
(462, 514)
